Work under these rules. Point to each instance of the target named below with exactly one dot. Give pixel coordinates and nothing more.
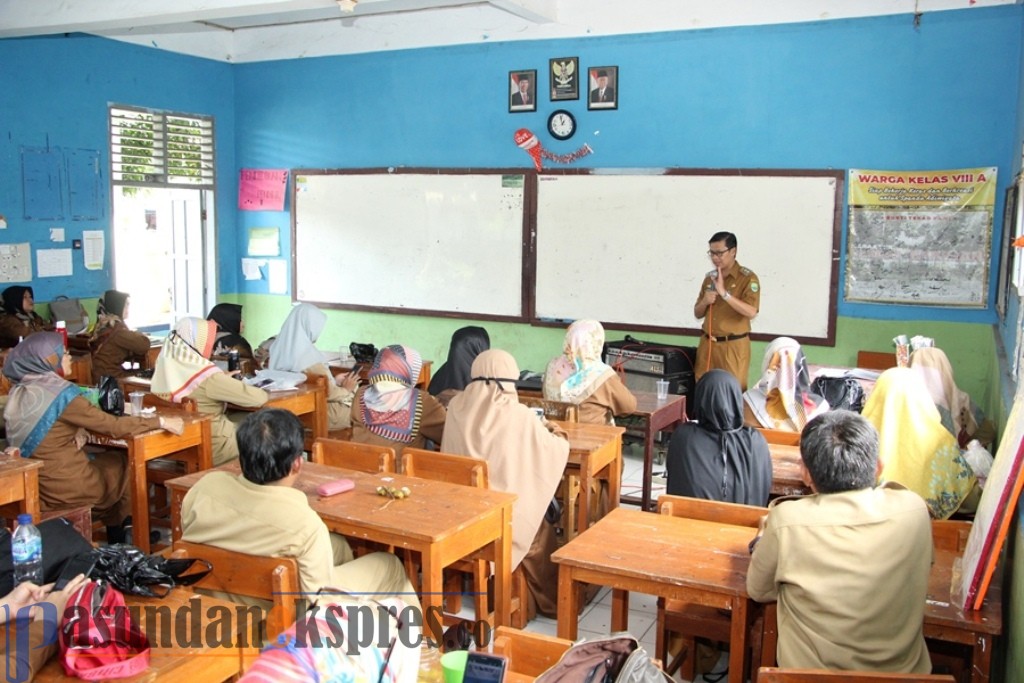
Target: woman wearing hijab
(916, 450)
(452, 377)
(45, 414)
(19, 318)
(525, 456)
(391, 411)
(183, 369)
(718, 457)
(579, 376)
(782, 398)
(960, 415)
(229, 330)
(294, 350)
(112, 342)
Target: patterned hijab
(579, 371)
(782, 398)
(934, 367)
(294, 350)
(391, 407)
(39, 394)
(183, 361)
(914, 447)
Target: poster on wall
(920, 237)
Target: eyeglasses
(712, 252)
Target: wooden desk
(441, 521)
(192, 447)
(422, 382)
(308, 402)
(671, 557)
(171, 660)
(595, 452)
(787, 471)
(19, 487)
(652, 416)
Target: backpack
(617, 658)
(98, 637)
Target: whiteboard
(438, 242)
(629, 248)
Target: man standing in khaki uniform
(729, 298)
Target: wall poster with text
(920, 237)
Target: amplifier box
(645, 363)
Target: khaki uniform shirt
(722, 320)
(212, 396)
(850, 572)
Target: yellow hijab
(915, 449)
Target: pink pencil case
(330, 488)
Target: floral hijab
(391, 407)
(109, 315)
(914, 447)
(782, 398)
(579, 371)
(39, 394)
(183, 362)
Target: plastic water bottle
(27, 552)
(62, 329)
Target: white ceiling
(260, 30)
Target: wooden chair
(275, 579)
(466, 471)
(876, 360)
(353, 456)
(767, 674)
(692, 620)
(528, 654)
(160, 470)
(553, 410)
(780, 436)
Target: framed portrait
(564, 74)
(603, 83)
(522, 95)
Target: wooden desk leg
(981, 666)
(586, 480)
(205, 448)
(140, 497)
(176, 497)
(568, 604)
(503, 573)
(645, 497)
(30, 503)
(615, 477)
(770, 635)
(620, 610)
(738, 641)
(432, 594)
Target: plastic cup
(136, 397)
(454, 665)
(662, 389)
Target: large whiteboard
(630, 248)
(437, 242)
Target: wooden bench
(777, 675)
(553, 410)
(353, 456)
(528, 654)
(876, 360)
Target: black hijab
(112, 303)
(14, 299)
(467, 344)
(719, 458)
(228, 317)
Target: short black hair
(269, 441)
(840, 450)
(727, 237)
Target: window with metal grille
(151, 148)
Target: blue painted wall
(872, 93)
(55, 93)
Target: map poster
(920, 237)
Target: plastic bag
(132, 571)
(979, 459)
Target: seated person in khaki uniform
(259, 512)
(849, 565)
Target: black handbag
(363, 353)
(842, 393)
(61, 541)
(111, 398)
(132, 571)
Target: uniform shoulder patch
(744, 270)
(754, 287)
